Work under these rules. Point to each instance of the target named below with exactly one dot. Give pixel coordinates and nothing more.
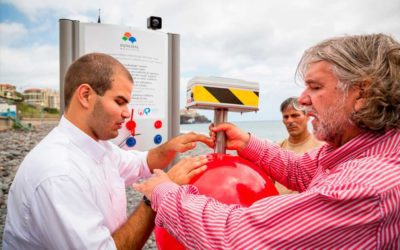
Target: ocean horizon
(271, 130)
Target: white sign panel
(145, 54)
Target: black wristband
(146, 201)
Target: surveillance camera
(154, 22)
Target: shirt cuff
(253, 149)
(160, 191)
(143, 159)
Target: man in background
(294, 117)
(300, 139)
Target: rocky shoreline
(15, 144)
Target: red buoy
(229, 179)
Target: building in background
(53, 98)
(9, 92)
(42, 98)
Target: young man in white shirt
(69, 192)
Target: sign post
(152, 57)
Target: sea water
(271, 130)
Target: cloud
(36, 66)
(11, 32)
(36, 10)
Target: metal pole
(69, 49)
(173, 87)
(220, 116)
(173, 84)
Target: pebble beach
(15, 144)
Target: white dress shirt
(69, 192)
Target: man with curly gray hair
(349, 189)
(361, 79)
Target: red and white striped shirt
(350, 199)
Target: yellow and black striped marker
(235, 96)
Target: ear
(85, 94)
(360, 95)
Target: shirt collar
(353, 148)
(84, 142)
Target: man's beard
(101, 122)
(332, 124)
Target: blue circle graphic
(157, 139)
(131, 141)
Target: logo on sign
(130, 42)
(128, 37)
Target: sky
(253, 40)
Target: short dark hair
(95, 69)
(291, 102)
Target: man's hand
(181, 173)
(161, 156)
(148, 185)
(236, 139)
